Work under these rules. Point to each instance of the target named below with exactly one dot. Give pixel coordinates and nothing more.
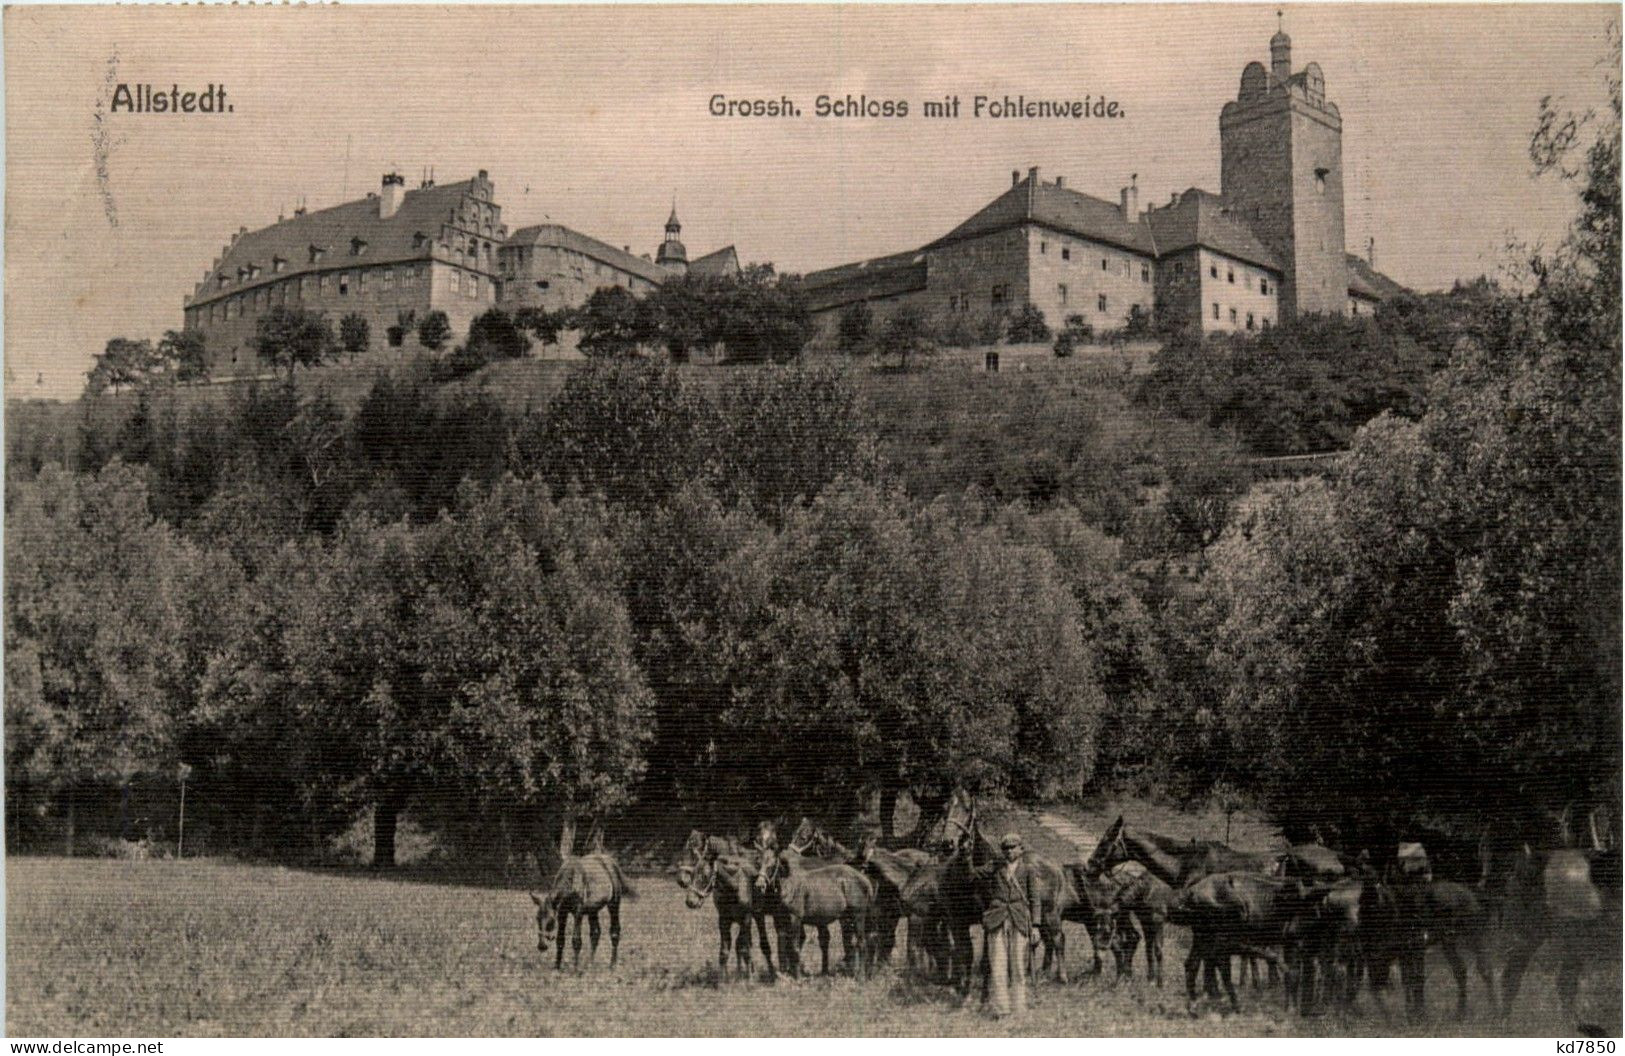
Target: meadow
(212, 948)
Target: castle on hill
(1268, 247)
(397, 251)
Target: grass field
(200, 948)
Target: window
(324, 285)
(1066, 252)
(358, 246)
(456, 281)
(1232, 316)
(1001, 293)
(1249, 320)
(1230, 275)
(1061, 289)
(1215, 311)
(277, 264)
(1104, 266)
(389, 278)
(303, 280)
(1043, 247)
(1145, 273)
(1213, 270)
(1249, 282)
(1100, 302)
(1320, 179)
(474, 287)
(1179, 267)
(1263, 285)
(361, 281)
(344, 284)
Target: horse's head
(867, 844)
(547, 918)
(692, 857)
(772, 869)
(1111, 850)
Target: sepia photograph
(813, 520)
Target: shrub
(354, 333)
(1076, 331)
(990, 327)
(1028, 324)
(434, 331)
(856, 324)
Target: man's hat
(1011, 841)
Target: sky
(597, 118)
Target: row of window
(1105, 262)
(1235, 318)
(1102, 302)
(321, 285)
(1230, 275)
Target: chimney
(394, 191)
(1060, 181)
(1032, 174)
(1015, 177)
(1371, 253)
(1130, 198)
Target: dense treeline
(789, 592)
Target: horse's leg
(1486, 970)
(1458, 968)
(1193, 963)
(1518, 957)
(1568, 980)
(724, 945)
(1129, 943)
(1229, 983)
(742, 951)
(767, 947)
(558, 961)
(823, 946)
(1153, 948)
(614, 931)
(595, 931)
(575, 940)
(1413, 978)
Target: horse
(1124, 894)
(581, 888)
(1236, 914)
(717, 866)
(890, 870)
(798, 895)
(1569, 896)
(1177, 863)
(1398, 921)
(941, 896)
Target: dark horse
(581, 888)
(718, 867)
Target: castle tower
(671, 255)
(1281, 145)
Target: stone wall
(1071, 275)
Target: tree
(434, 330)
(544, 325)
(785, 433)
(906, 334)
(288, 338)
(628, 429)
(92, 630)
(354, 333)
(687, 313)
(614, 323)
(493, 335)
(853, 333)
(184, 355)
(762, 317)
(1076, 331)
(124, 362)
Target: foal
(581, 888)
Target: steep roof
(1201, 218)
(1366, 281)
(724, 261)
(422, 211)
(561, 237)
(1034, 202)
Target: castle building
(393, 252)
(1269, 247)
(437, 247)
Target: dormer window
(278, 264)
(358, 246)
(242, 275)
(221, 282)
(418, 238)
(1320, 179)
(317, 253)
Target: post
(180, 840)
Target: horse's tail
(623, 888)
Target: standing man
(1007, 924)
